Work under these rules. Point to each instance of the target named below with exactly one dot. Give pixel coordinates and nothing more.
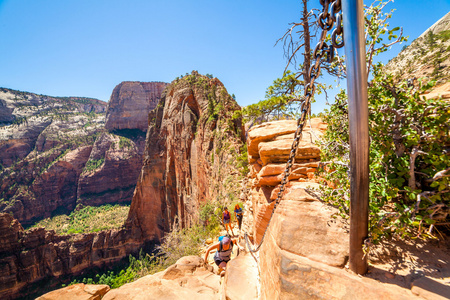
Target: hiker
(223, 254)
(238, 214)
(226, 219)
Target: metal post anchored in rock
(353, 19)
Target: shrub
(409, 137)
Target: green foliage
(242, 160)
(176, 244)
(444, 35)
(430, 39)
(93, 164)
(124, 142)
(277, 99)
(409, 137)
(88, 219)
(144, 265)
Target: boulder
(284, 129)
(278, 151)
(241, 279)
(188, 278)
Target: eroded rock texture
(130, 103)
(188, 278)
(305, 247)
(114, 181)
(26, 257)
(192, 145)
(56, 153)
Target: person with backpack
(223, 254)
(226, 219)
(238, 214)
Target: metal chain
(326, 21)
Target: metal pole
(353, 21)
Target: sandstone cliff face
(26, 257)
(185, 161)
(268, 146)
(130, 103)
(190, 151)
(114, 180)
(37, 179)
(56, 154)
(305, 248)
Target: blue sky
(85, 48)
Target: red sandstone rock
(78, 291)
(188, 278)
(183, 154)
(130, 103)
(115, 180)
(31, 256)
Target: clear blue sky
(85, 48)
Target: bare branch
(439, 175)
(412, 160)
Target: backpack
(226, 215)
(239, 212)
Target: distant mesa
(130, 103)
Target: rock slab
(188, 278)
(78, 291)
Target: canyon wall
(38, 255)
(56, 154)
(191, 151)
(130, 103)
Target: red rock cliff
(130, 103)
(187, 155)
(28, 257)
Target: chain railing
(326, 21)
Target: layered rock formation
(27, 257)
(55, 181)
(305, 248)
(130, 103)
(44, 150)
(269, 145)
(115, 179)
(192, 145)
(56, 153)
(190, 154)
(25, 116)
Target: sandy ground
(405, 262)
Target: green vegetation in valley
(176, 244)
(87, 219)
